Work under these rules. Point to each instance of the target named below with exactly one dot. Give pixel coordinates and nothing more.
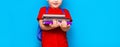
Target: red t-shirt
(55, 37)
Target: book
(48, 18)
(53, 16)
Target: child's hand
(64, 25)
(55, 24)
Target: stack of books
(48, 18)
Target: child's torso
(55, 37)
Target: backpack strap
(47, 10)
(63, 11)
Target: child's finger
(68, 25)
(59, 23)
(50, 24)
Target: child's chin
(56, 6)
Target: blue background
(96, 23)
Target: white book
(53, 16)
(57, 19)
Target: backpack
(39, 30)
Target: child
(54, 35)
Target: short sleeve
(41, 12)
(68, 16)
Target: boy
(54, 35)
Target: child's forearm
(43, 27)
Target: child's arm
(51, 26)
(64, 26)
